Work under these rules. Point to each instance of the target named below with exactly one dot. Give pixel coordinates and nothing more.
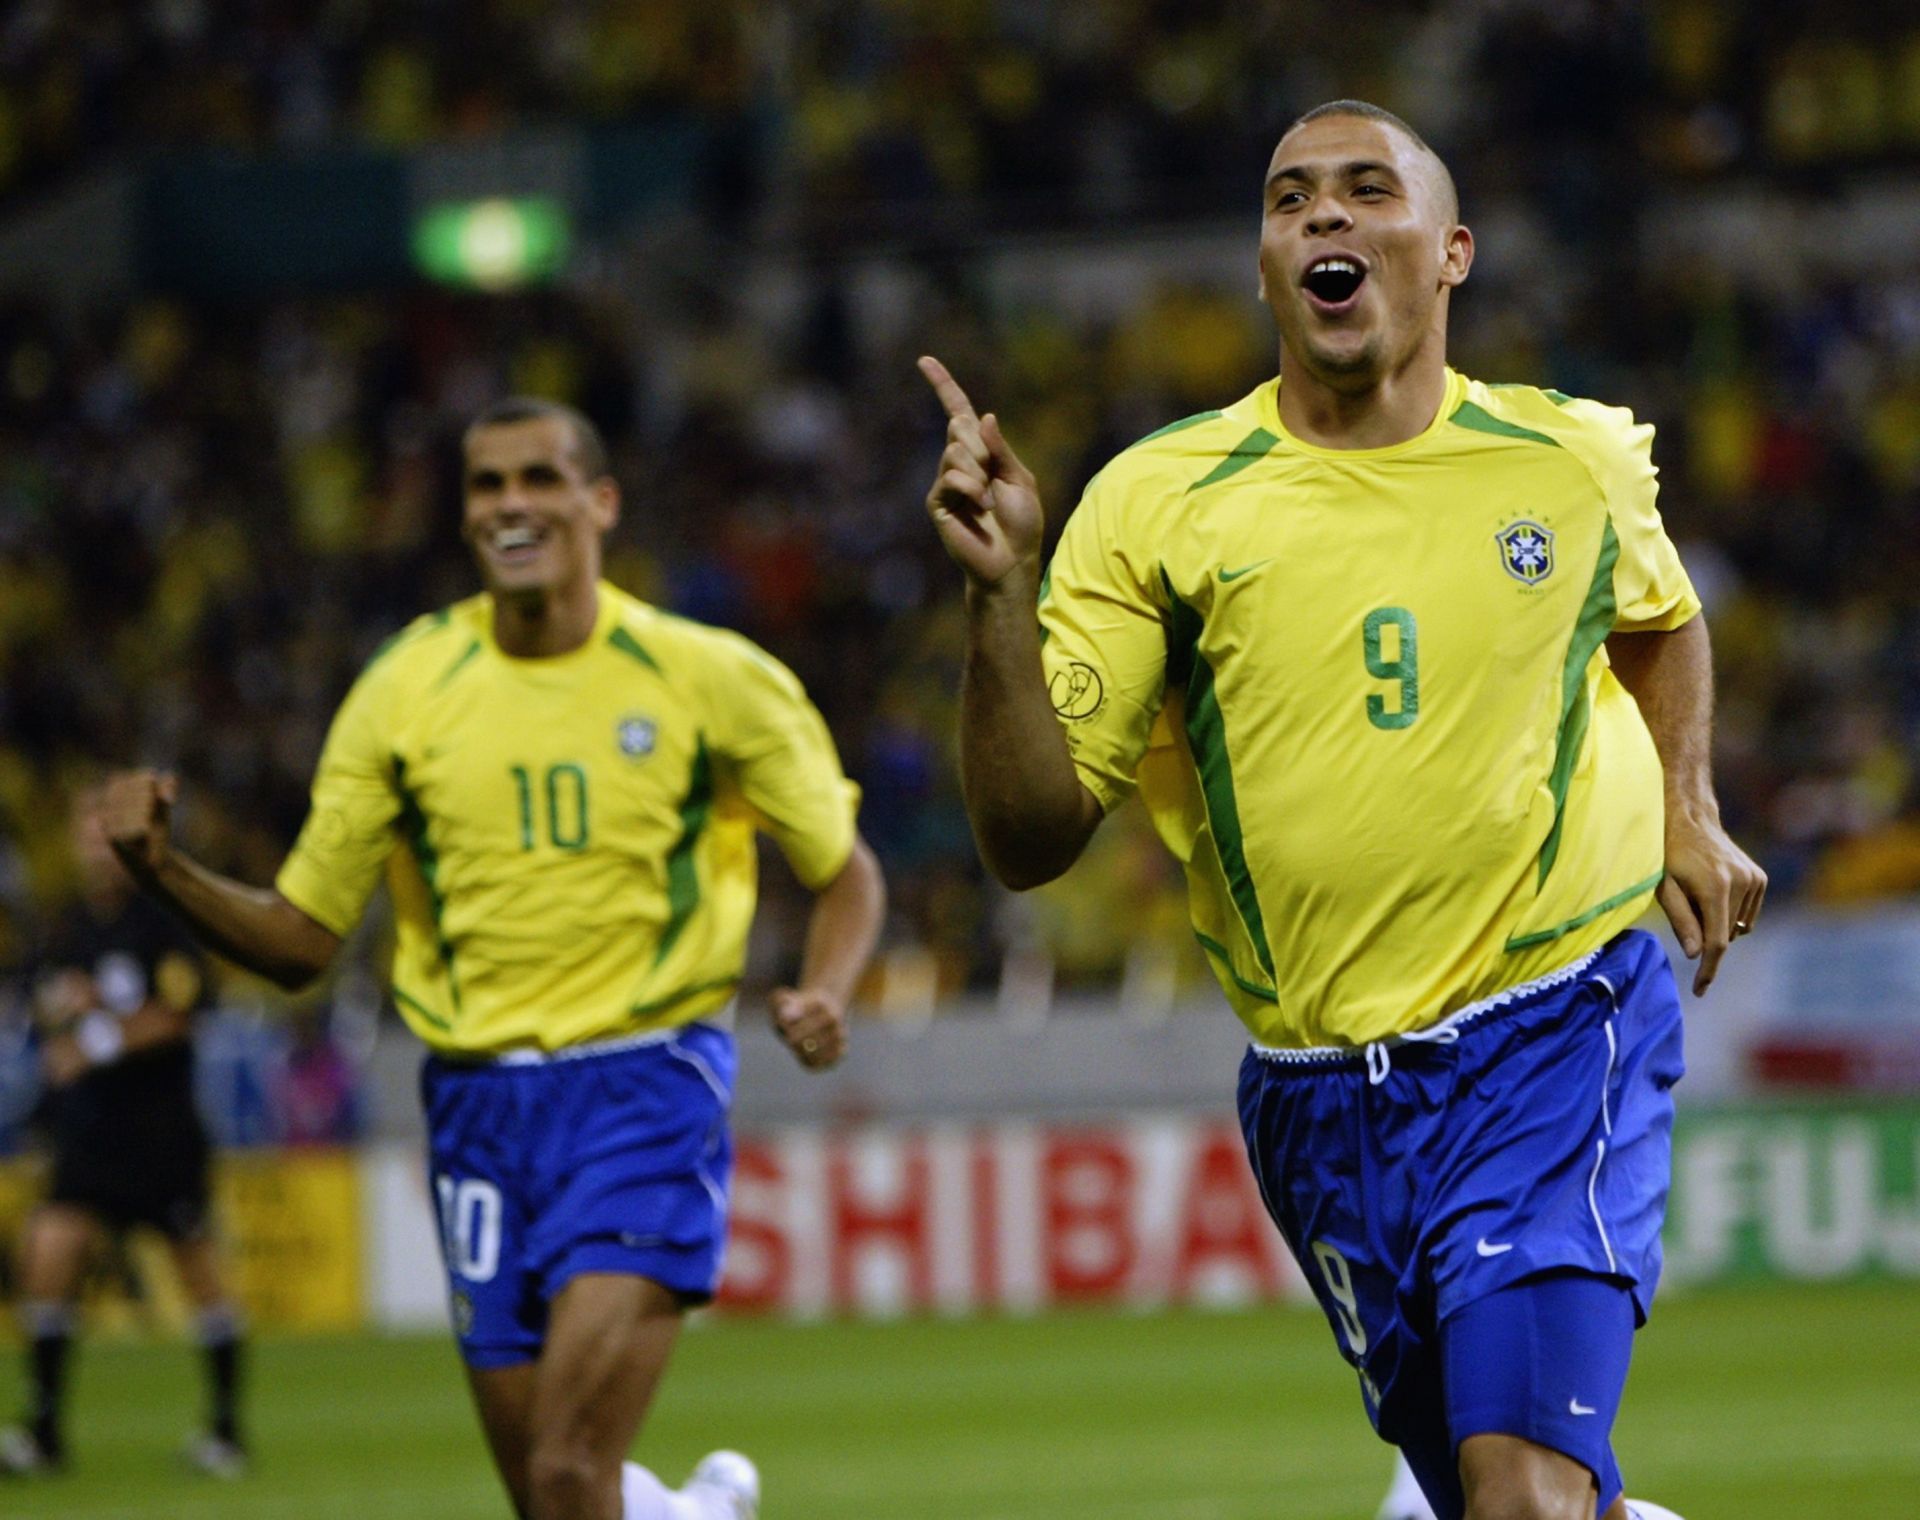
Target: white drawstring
(1380, 1062)
(1445, 1033)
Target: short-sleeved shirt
(1365, 696)
(569, 841)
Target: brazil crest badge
(1526, 551)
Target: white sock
(645, 1497)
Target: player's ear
(606, 503)
(1456, 256)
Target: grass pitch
(1765, 1404)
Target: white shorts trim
(1445, 1031)
(586, 1050)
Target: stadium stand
(210, 513)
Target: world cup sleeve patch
(1076, 691)
(1526, 551)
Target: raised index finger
(946, 388)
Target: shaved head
(1439, 176)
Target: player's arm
(1660, 652)
(100, 1038)
(1713, 891)
(254, 927)
(841, 933)
(781, 756)
(1031, 814)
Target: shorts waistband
(1376, 1054)
(585, 1050)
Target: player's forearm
(844, 926)
(154, 1023)
(101, 1038)
(1031, 816)
(254, 927)
(1670, 676)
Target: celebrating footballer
(1412, 682)
(562, 785)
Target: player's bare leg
(504, 1398)
(608, 1341)
(60, 1241)
(1507, 1478)
(219, 1451)
(560, 1428)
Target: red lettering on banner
(759, 1273)
(984, 1164)
(857, 1225)
(1222, 1220)
(1087, 1187)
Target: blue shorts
(604, 1161)
(1419, 1179)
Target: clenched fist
(813, 1024)
(136, 814)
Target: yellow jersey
(1364, 695)
(568, 841)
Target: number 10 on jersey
(565, 794)
(1392, 626)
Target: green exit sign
(496, 244)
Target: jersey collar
(606, 614)
(1267, 398)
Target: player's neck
(538, 625)
(1398, 406)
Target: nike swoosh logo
(1576, 1407)
(1487, 1248)
(1234, 575)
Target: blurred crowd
(1099, 101)
(210, 516)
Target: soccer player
(1412, 682)
(115, 991)
(562, 784)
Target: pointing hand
(984, 502)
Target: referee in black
(115, 986)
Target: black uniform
(127, 1139)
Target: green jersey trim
(1581, 920)
(413, 823)
(457, 666)
(1480, 420)
(1249, 450)
(400, 996)
(673, 999)
(1175, 427)
(1218, 951)
(1558, 398)
(683, 875)
(1589, 633)
(1207, 739)
(406, 635)
(626, 643)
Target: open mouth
(515, 544)
(1334, 282)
